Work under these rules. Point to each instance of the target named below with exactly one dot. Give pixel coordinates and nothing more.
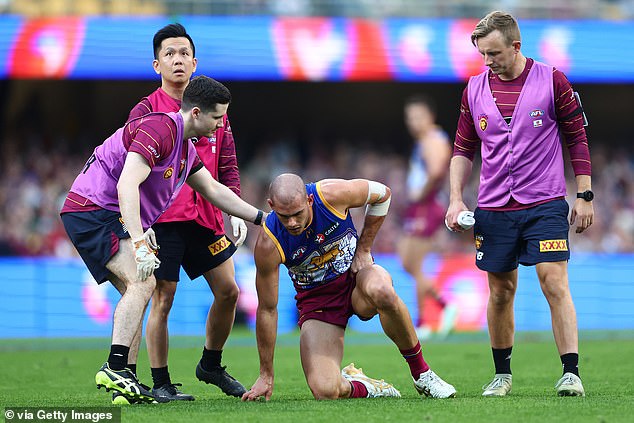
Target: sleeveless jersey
(321, 253)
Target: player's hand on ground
(262, 388)
(146, 260)
(239, 230)
(361, 260)
(583, 214)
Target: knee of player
(325, 391)
(384, 296)
(228, 294)
(163, 296)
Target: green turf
(60, 373)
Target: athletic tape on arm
(377, 209)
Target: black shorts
(197, 248)
(95, 235)
(505, 239)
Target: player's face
(206, 124)
(176, 61)
(295, 216)
(500, 57)
(418, 117)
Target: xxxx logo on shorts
(553, 245)
(219, 246)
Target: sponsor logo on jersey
(153, 150)
(219, 246)
(331, 229)
(553, 245)
(319, 238)
(537, 113)
(298, 253)
(537, 123)
(168, 172)
(483, 121)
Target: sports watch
(586, 195)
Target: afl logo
(320, 238)
(168, 172)
(299, 252)
(483, 121)
(537, 113)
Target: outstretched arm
(267, 262)
(222, 197)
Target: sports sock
(118, 357)
(132, 367)
(211, 358)
(160, 376)
(502, 360)
(358, 389)
(415, 360)
(570, 363)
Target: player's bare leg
(220, 317)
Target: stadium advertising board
(305, 49)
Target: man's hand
(239, 230)
(263, 387)
(146, 260)
(360, 261)
(150, 238)
(584, 211)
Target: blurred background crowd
(37, 171)
(37, 167)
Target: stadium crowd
(36, 175)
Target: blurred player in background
(122, 190)
(311, 232)
(515, 113)
(425, 213)
(191, 232)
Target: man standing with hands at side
(516, 112)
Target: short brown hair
(501, 21)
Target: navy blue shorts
(95, 235)
(504, 239)
(197, 248)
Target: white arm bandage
(377, 209)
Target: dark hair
(174, 30)
(205, 93)
(423, 99)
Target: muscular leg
(131, 307)
(222, 312)
(374, 294)
(156, 332)
(553, 278)
(321, 351)
(500, 315)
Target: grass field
(60, 373)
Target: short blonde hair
(501, 21)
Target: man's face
(497, 55)
(295, 215)
(418, 117)
(206, 124)
(176, 61)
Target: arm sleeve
(570, 118)
(228, 172)
(467, 140)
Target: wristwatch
(586, 195)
